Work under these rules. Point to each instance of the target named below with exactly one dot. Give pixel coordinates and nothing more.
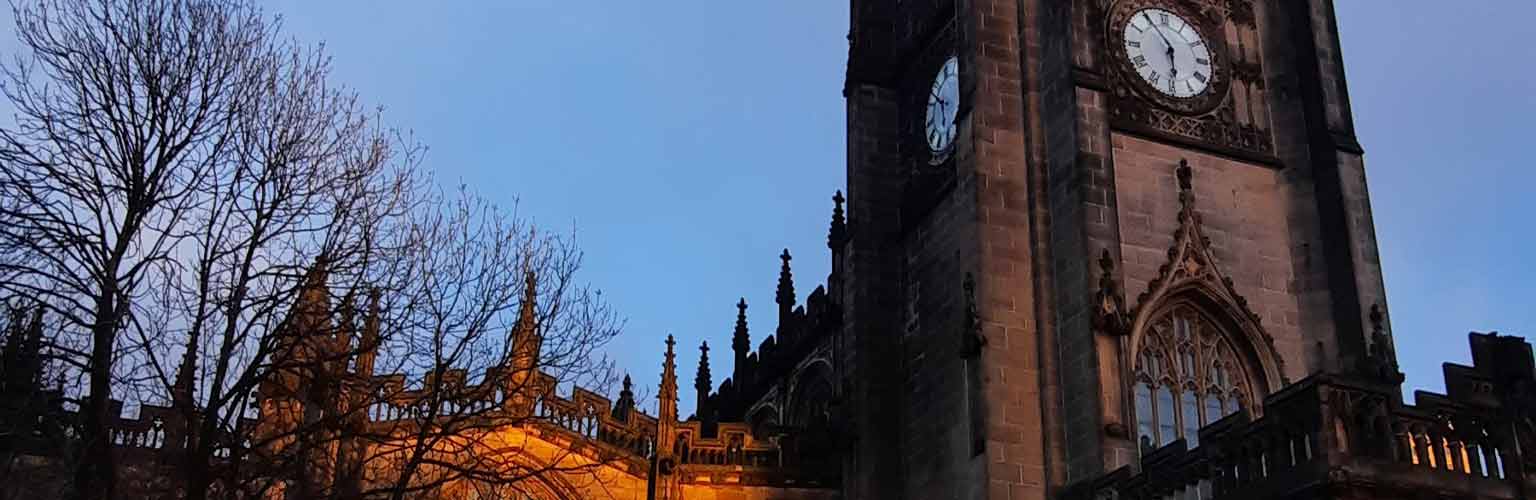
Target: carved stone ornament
(971, 340)
(1192, 270)
(1111, 316)
(1379, 361)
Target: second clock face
(1168, 52)
(943, 105)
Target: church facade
(1089, 249)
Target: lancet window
(1187, 376)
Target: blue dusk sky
(688, 142)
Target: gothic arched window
(1187, 376)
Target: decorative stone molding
(1192, 271)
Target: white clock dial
(1168, 52)
(943, 106)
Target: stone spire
(741, 343)
(839, 232)
(519, 374)
(183, 389)
(346, 332)
(703, 405)
(626, 402)
(668, 395)
(785, 298)
(701, 379)
(15, 337)
(664, 483)
(526, 337)
(837, 240)
(368, 346)
(22, 359)
(313, 307)
(786, 292)
(344, 337)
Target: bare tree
(309, 178)
(494, 313)
(123, 110)
(207, 214)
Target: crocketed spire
(183, 389)
(526, 337)
(704, 406)
(22, 360)
(368, 346)
(786, 293)
(668, 395)
(701, 379)
(626, 402)
(741, 341)
(312, 308)
(1380, 361)
(839, 232)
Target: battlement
(1354, 433)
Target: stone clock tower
(1082, 230)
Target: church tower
(1081, 230)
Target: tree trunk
(195, 473)
(95, 477)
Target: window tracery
(1187, 376)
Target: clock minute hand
(1160, 34)
(1159, 31)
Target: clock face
(943, 105)
(1168, 52)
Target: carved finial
(666, 410)
(1376, 319)
(1379, 360)
(1187, 213)
(530, 297)
(839, 231)
(701, 379)
(741, 341)
(368, 347)
(669, 373)
(786, 293)
(527, 340)
(1381, 344)
(1107, 267)
(313, 304)
(626, 402)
